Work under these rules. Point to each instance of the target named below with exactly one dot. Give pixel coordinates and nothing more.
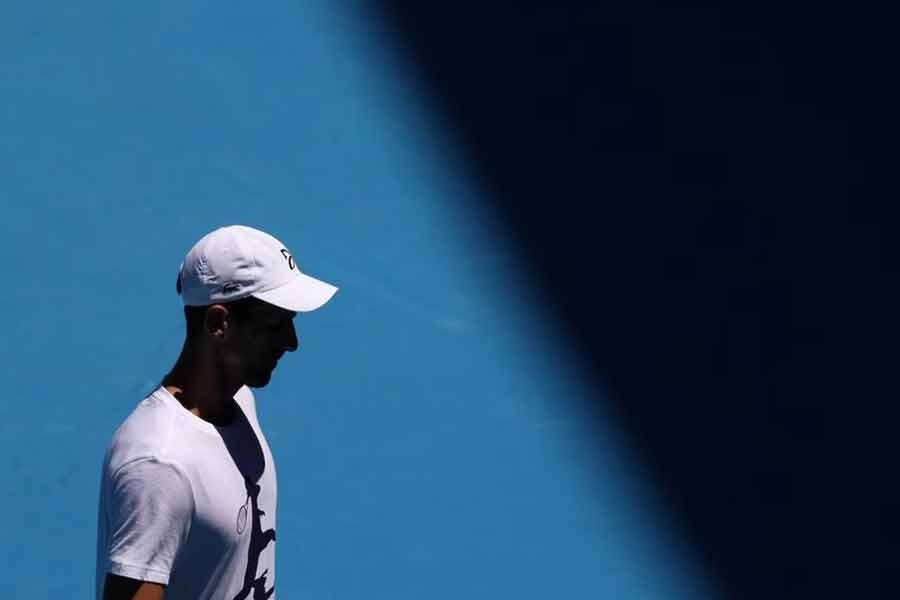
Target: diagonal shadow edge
(654, 165)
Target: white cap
(235, 262)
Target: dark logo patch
(259, 539)
(230, 287)
(287, 256)
(242, 517)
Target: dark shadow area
(699, 184)
(247, 453)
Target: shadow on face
(248, 336)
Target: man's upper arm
(122, 588)
(149, 509)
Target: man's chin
(258, 381)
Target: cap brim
(302, 294)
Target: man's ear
(216, 322)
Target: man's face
(259, 334)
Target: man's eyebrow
(278, 316)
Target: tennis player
(188, 488)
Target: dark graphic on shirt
(242, 516)
(259, 539)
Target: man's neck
(202, 388)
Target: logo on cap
(287, 256)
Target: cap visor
(302, 294)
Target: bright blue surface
(423, 439)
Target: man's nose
(291, 343)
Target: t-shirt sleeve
(149, 510)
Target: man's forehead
(264, 309)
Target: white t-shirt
(189, 504)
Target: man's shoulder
(143, 434)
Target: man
(188, 488)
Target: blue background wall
(424, 443)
